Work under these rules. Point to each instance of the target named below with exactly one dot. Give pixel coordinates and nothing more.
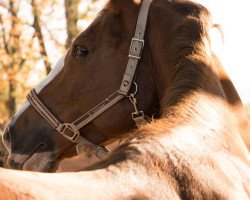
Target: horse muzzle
(6, 137)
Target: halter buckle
(69, 131)
(101, 153)
(137, 114)
(139, 118)
(136, 48)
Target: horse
(192, 135)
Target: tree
(72, 16)
(12, 50)
(38, 33)
(19, 53)
(12, 62)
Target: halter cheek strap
(136, 47)
(71, 130)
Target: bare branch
(71, 13)
(4, 36)
(51, 35)
(39, 35)
(23, 60)
(4, 5)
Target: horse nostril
(14, 165)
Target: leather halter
(71, 130)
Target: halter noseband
(71, 130)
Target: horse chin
(42, 162)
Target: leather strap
(71, 130)
(41, 109)
(136, 48)
(98, 110)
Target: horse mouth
(41, 161)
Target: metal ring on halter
(136, 90)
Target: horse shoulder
(203, 170)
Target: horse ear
(127, 10)
(123, 5)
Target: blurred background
(35, 33)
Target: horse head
(176, 39)
(87, 74)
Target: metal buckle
(139, 118)
(101, 152)
(136, 51)
(66, 131)
(138, 114)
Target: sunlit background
(233, 16)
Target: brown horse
(198, 145)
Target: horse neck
(190, 74)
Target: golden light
(234, 17)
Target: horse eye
(81, 50)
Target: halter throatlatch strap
(71, 130)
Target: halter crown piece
(71, 130)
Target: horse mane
(190, 57)
(197, 71)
